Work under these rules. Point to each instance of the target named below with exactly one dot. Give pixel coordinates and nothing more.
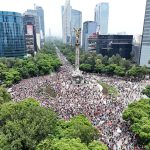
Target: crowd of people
(104, 111)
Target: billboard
(30, 29)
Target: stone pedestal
(77, 77)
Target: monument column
(77, 44)
(77, 74)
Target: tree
(115, 59)
(95, 145)
(3, 68)
(12, 76)
(62, 144)
(119, 71)
(138, 114)
(100, 68)
(25, 124)
(4, 145)
(144, 71)
(109, 69)
(146, 91)
(86, 67)
(147, 147)
(4, 96)
(105, 60)
(125, 64)
(78, 127)
(134, 71)
(69, 144)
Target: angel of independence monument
(77, 76)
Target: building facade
(71, 18)
(145, 46)
(89, 27)
(37, 25)
(40, 14)
(37, 22)
(101, 17)
(12, 40)
(30, 33)
(76, 22)
(109, 45)
(66, 22)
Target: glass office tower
(12, 41)
(101, 17)
(89, 27)
(145, 47)
(66, 22)
(40, 14)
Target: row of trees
(115, 65)
(28, 126)
(12, 70)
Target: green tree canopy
(146, 91)
(78, 127)
(96, 145)
(25, 124)
(4, 96)
(86, 67)
(62, 144)
(138, 113)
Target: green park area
(109, 89)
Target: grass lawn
(109, 89)
(48, 91)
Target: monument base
(77, 77)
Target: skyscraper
(76, 22)
(30, 33)
(145, 46)
(89, 27)
(12, 40)
(101, 17)
(70, 19)
(37, 21)
(40, 14)
(66, 23)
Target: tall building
(109, 45)
(71, 18)
(40, 14)
(37, 21)
(89, 27)
(30, 33)
(12, 40)
(76, 22)
(101, 17)
(66, 22)
(37, 25)
(145, 46)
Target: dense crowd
(104, 111)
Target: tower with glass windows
(12, 40)
(145, 46)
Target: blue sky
(124, 15)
